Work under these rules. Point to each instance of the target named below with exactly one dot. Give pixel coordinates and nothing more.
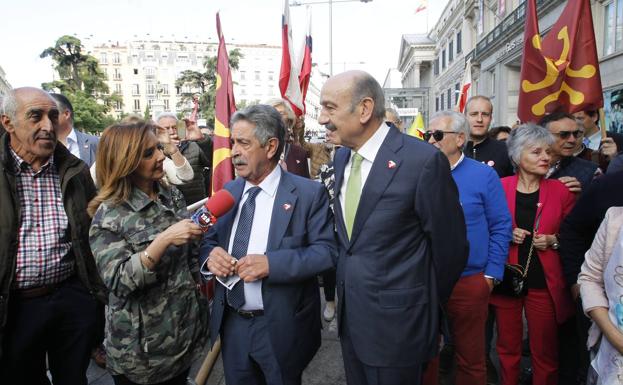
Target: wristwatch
(555, 245)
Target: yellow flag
(417, 127)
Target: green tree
(205, 83)
(83, 82)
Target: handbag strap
(536, 228)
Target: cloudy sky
(365, 35)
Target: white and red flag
(289, 75)
(306, 62)
(466, 86)
(421, 6)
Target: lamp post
(330, 2)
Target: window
(441, 101)
(443, 59)
(613, 34)
(117, 74)
(165, 89)
(449, 98)
(118, 105)
(150, 73)
(243, 75)
(437, 104)
(151, 89)
(451, 52)
(135, 71)
(116, 59)
(457, 92)
(137, 105)
(136, 90)
(166, 104)
(436, 66)
(103, 58)
(459, 42)
(271, 75)
(178, 90)
(257, 75)
(118, 88)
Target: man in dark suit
(401, 236)
(80, 144)
(269, 321)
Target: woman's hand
(182, 232)
(601, 317)
(543, 241)
(519, 235)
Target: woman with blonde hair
(145, 254)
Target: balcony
(507, 29)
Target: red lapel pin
(287, 206)
(391, 164)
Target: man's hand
(573, 184)
(490, 283)
(175, 140)
(192, 130)
(253, 267)
(221, 263)
(608, 147)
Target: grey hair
(166, 115)
(274, 102)
(9, 105)
(528, 134)
(458, 123)
(367, 87)
(268, 124)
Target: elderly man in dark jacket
(48, 280)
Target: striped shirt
(43, 252)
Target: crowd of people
(426, 249)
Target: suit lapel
(339, 163)
(385, 166)
(285, 202)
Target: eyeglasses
(566, 134)
(437, 135)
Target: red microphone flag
(225, 106)
(561, 71)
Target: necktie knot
(252, 193)
(357, 159)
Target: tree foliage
(82, 81)
(204, 84)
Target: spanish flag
(225, 106)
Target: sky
(366, 36)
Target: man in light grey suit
(80, 144)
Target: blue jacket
(489, 223)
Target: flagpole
(602, 123)
(330, 37)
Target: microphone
(221, 202)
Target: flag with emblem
(225, 106)
(417, 127)
(560, 71)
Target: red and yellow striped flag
(225, 106)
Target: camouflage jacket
(156, 320)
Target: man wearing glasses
(574, 172)
(479, 114)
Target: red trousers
(542, 331)
(467, 313)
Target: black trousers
(328, 284)
(62, 324)
(177, 380)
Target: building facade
(490, 33)
(4, 84)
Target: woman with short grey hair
(538, 206)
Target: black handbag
(514, 282)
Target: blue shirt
(487, 217)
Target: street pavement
(325, 369)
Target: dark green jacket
(77, 189)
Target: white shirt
(72, 143)
(453, 166)
(264, 202)
(368, 151)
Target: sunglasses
(437, 135)
(566, 134)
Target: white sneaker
(329, 311)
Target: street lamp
(330, 2)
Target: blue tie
(235, 297)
